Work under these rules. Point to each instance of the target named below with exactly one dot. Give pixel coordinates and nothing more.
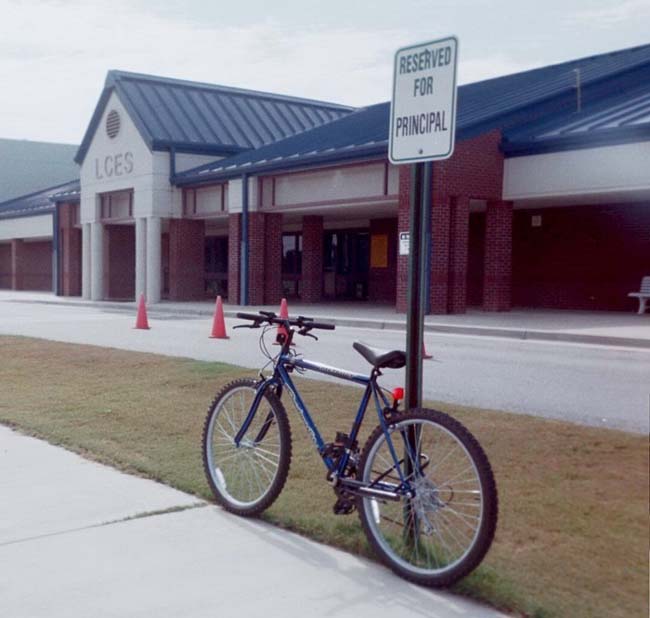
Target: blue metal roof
(38, 203)
(482, 106)
(362, 133)
(620, 118)
(197, 117)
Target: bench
(643, 294)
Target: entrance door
(475, 259)
(216, 266)
(346, 264)
(119, 265)
(291, 264)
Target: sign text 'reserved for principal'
(424, 102)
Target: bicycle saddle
(393, 359)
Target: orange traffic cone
(425, 356)
(218, 324)
(141, 321)
(282, 333)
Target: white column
(140, 256)
(85, 261)
(97, 261)
(154, 273)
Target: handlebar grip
(321, 325)
(250, 316)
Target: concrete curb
(160, 310)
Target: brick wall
(69, 251)
(439, 266)
(32, 264)
(581, 257)
(458, 251)
(497, 273)
(18, 263)
(5, 265)
(382, 282)
(234, 252)
(475, 258)
(186, 259)
(475, 171)
(273, 259)
(256, 258)
(120, 265)
(312, 259)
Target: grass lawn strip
(572, 538)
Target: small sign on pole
(404, 243)
(423, 109)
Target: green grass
(572, 538)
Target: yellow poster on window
(379, 251)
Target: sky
(54, 54)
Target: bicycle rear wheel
(246, 479)
(443, 532)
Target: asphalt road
(596, 385)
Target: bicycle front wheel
(443, 532)
(246, 478)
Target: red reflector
(398, 393)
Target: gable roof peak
(207, 118)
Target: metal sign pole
(420, 211)
(415, 318)
(427, 247)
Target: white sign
(423, 109)
(404, 243)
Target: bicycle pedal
(343, 506)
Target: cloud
(54, 56)
(612, 15)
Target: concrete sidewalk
(595, 327)
(78, 539)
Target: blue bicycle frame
(281, 378)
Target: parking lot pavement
(78, 539)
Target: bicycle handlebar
(301, 321)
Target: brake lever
(306, 333)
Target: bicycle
(422, 484)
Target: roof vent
(112, 123)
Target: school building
(188, 190)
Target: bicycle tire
(246, 480)
(435, 515)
